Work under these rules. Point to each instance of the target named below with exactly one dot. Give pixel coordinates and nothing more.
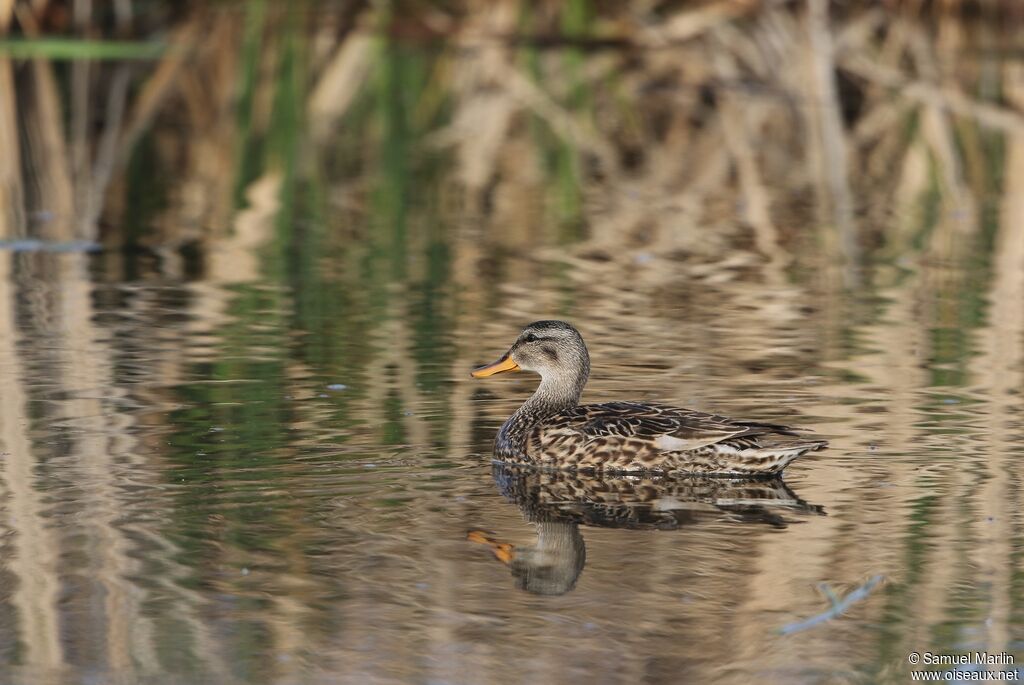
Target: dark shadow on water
(559, 502)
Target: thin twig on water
(838, 607)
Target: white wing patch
(670, 443)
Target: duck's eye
(529, 337)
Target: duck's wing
(667, 428)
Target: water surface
(199, 486)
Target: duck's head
(554, 349)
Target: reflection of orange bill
(504, 552)
(480, 537)
(501, 366)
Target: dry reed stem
(340, 83)
(6, 15)
(882, 117)
(911, 186)
(561, 121)
(484, 109)
(937, 131)
(47, 154)
(106, 156)
(12, 201)
(736, 122)
(948, 98)
(828, 142)
(155, 91)
(960, 217)
(79, 143)
(691, 23)
(123, 14)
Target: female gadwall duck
(553, 430)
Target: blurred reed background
(148, 125)
(210, 211)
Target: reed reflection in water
(242, 278)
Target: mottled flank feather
(552, 430)
(629, 437)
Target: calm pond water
(240, 442)
(199, 485)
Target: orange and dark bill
(502, 365)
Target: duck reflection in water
(558, 502)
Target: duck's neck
(554, 395)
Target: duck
(553, 430)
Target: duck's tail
(771, 459)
